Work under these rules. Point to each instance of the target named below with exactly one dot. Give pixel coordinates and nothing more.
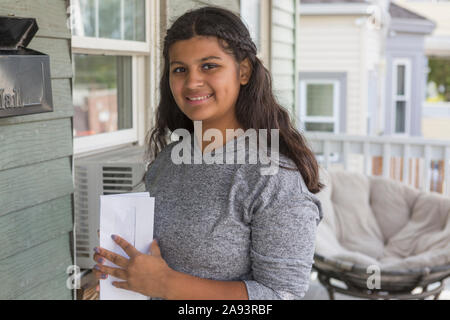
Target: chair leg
(330, 293)
(436, 297)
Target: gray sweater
(229, 222)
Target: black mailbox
(25, 83)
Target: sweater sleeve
(283, 243)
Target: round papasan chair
(381, 239)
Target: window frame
(119, 137)
(95, 44)
(264, 30)
(335, 119)
(406, 97)
(139, 51)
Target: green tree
(440, 74)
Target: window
(102, 91)
(401, 98)
(110, 40)
(97, 22)
(320, 104)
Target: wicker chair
(372, 222)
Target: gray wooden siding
(284, 64)
(36, 183)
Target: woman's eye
(209, 66)
(177, 70)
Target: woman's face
(205, 80)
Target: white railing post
(447, 171)
(387, 160)
(427, 170)
(346, 151)
(367, 158)
(406, 155)
(326, 153)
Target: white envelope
(130, 216)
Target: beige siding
(436, 128)
(36, 183)
(333, 44)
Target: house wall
(339, 44)
(436, 128)
(36, 172)
(436, 121)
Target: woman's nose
(194, 79)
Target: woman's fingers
(115, 258)
(126, 246)
(99, 275)
(98, 258)
(116, 272)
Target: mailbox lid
(16, 33)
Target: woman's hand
(143, 273)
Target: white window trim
(94, 45)
(318, 119)
(264, 32)
(406, 97)
(140, 52)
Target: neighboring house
(438, 43)
(361, 67)
(436, 114)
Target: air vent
(115, 172)
(81, 212)
(117, 180)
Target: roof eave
(412, 26)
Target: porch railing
(418, 162)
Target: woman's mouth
(198, 100)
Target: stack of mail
(130, 216)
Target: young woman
(224, 231)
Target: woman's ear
(245, 71)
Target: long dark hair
(256, 106)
